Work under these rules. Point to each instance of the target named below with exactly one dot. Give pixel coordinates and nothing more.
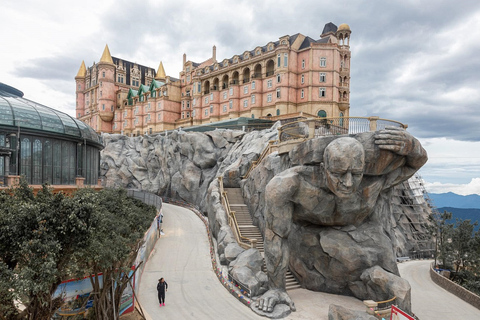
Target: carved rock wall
(185, 165)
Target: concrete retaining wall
(454, 288)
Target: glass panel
(37, 162)
(72, 163)
(57, 162)
(26, 159)
(2, 140)
(50, 120)
(88, 166)
(6, 116)
(25, 116)
(65, 162)
(87, 132)
(47, 162)
(69, 125)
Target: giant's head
(344, 161)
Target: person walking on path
(162, 287)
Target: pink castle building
(282, 79)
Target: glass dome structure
(43, 144)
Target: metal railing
(146, 197)
(379, 308)
(262, 156)
(386, 304)
(244, 242)
(317, 127)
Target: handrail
(323, 126)
(374, 309)
(262, 156)
(387, 301)
(244, 242)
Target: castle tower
(80, 90)
(106, 91)
(343, 35)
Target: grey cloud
(51, 68)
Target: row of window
(323, 62)
(57, 162)
(322, 94)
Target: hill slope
(454, 200)
(463, 214)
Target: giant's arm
(404, 145)
(278, 216)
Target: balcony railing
(317, 127)
(269, 73)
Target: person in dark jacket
(162, 287)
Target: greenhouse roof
(19, 112)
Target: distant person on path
(162, 287)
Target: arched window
(57, 164)
(253, 116)
(26, 159)
(322, 114)
(47, 162)
(270, 68)
(37, 162)
(278, 112)
(341, 119)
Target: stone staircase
(251, 231)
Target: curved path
(429, 301)
(182, 257)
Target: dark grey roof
(17, 111)
(329, 27)
(127, 65)
(306, 43)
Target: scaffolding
(412, 193)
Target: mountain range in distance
(454, 200)
(461, 207)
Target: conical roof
(106, 56)
(82, 71)
(160, 72)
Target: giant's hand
(273, 297)
(396, 140)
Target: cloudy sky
(414, 61)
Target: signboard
(398, 314)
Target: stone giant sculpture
(325, 221)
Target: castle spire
(82, 71)
(106, 57)
(160, 72)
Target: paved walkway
(182, 257)
(430, 301)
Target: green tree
(442, 231)
(48, 238)
(38, 236)
(462, 243)
(120, 225)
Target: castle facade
(295, 75)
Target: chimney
(214, 54)
(184, 58)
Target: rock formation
(185, 165)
